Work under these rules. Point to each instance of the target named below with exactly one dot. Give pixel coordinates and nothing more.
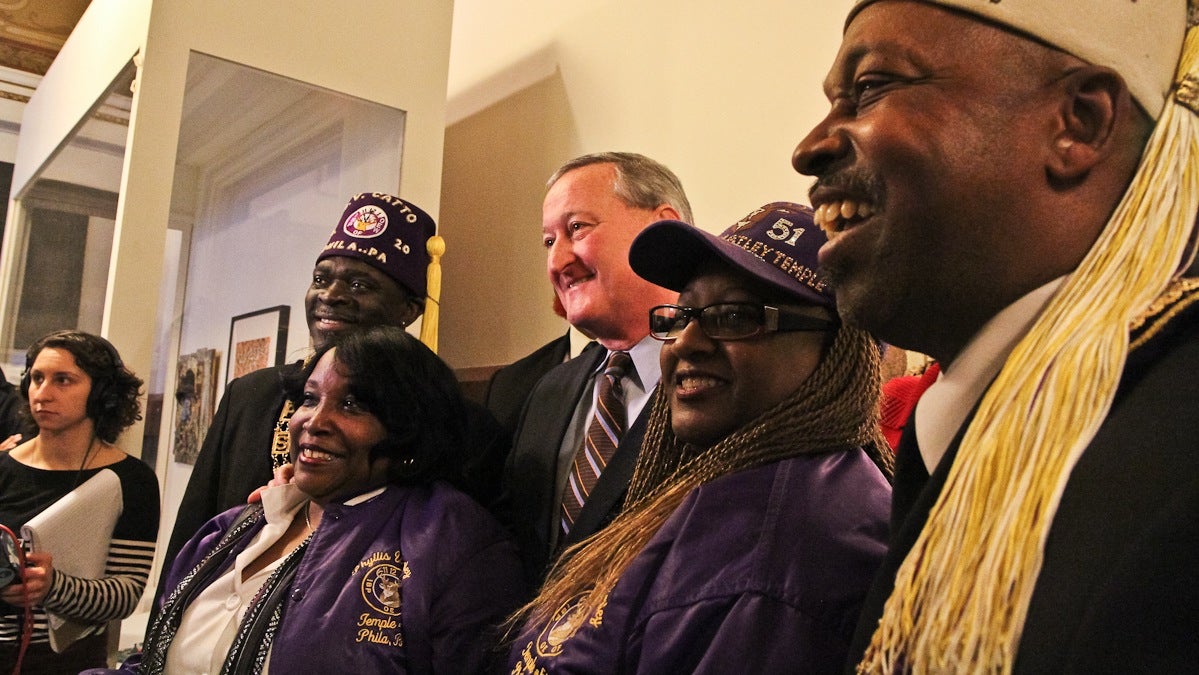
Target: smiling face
(58, 391)
(717, 387)
(331, 438)
(587, 230)
(348, 294)
(929, 166)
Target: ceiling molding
(32, 31)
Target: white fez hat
(1140, 39)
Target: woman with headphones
(81, 397)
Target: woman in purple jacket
(757, 513)
(368, 562)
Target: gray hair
(640, 181)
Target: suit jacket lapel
(915, 492)
(565, 387)
(531, 471)
(568, 388)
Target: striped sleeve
(113, 596)
(130, 554)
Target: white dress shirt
(210, 623)
(943, 408)
(638, 388)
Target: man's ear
(666, 212)
(1093, 100)
(414, 308)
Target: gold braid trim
(281, 445)
(1179, 295)
(1186, 92)
(962, 594)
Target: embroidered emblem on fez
(365, 222)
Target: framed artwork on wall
(195, 399)
(257, 340)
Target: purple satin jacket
(458, 576)
(761, 571)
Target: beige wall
(720, 92)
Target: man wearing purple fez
(371, 272)
(1010, 186)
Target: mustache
(856, 182)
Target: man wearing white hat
(1010, 186)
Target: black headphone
(96, 408)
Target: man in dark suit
(509, 387)
(1009, 188)
(558, 491)
(371, 272)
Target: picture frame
(257, 340)
(195, 401)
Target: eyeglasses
(732, 320)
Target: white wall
(108, 34)
(393, 52)
(256, 227)
(260, 258)
(403, 67)
(720, 92)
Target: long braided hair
(835, 409)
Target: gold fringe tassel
(428, 325)
(962, 594)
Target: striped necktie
(603, 435)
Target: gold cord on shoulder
(281, 446)
(1178, 296)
